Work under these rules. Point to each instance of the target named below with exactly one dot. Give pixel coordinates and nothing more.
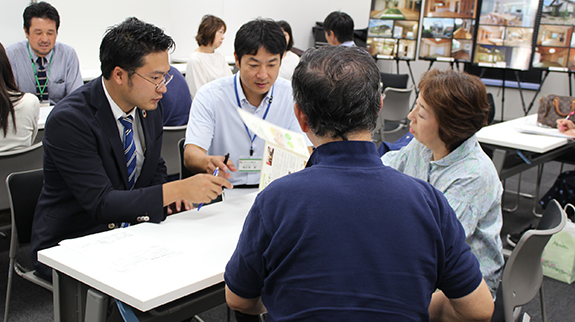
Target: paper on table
(272, 133)
(129, 254)
(528, 127)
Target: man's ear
(301, 118)
(119, 75)
(237, 60)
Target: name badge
(248, 164)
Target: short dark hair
(40, 10)
(259, 33)
(287, 28)
(459, 102)
(208, 29)
(126, 44)
(341, 24)
(338, 89)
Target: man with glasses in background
(102, 144)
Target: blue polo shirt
(350, 239)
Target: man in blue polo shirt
(347, 238)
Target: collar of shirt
(458, 154)
(242, 96)
(349, 43)
(116, 110)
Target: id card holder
(249, 164)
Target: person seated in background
(215, 127)
(102, 145)
(347, 238)
(42, 66)
(289, 59)
(206, 64)
(452, 106)
(177, 101)
(19, 111)
(338, 29)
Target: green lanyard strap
(41, 88)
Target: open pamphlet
(530, 127)
(285, 151)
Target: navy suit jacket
(85, 173)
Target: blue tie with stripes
(129, 149)
(41, 85)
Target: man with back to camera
(215, 127)
(41, 65)
(102, 144)
(347, 238)
(338, 28)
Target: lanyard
(41, 88)
(265, 114)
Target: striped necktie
(41, 85)
(129, 149)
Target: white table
(507, 134)
(44, 112)
(192, 247)
(513, 151)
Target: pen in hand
(226, 158)
(566, 118)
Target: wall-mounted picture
(380, 28)
(554, 35)
(461, 49)
(558, 12)
(491, 35)
(405, 29)
(517, 13)
(545, 57)
(406, 49)
(437, 28)
(518, 37)
(450, 8)
(464, 28)
(383, 48)
(396, 9)
(394, 29)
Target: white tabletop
(511, 134)
(148, 265)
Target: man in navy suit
(94, 177)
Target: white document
(285, 151)
(529, 127)
(131, 251)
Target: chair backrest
(18, 160)
(396, 105)
(184, 172)
(170, 154)
(24, 188)
(394, 80)
(523, 274)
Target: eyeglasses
(165, 81)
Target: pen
(226, 158)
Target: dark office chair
(170, 154)
(394, 80)
(184, 172)
(23, 189)
(491, 108)
(523, 274)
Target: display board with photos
(447, 30)
(393, 29)
(555, 45)
(505, 34)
